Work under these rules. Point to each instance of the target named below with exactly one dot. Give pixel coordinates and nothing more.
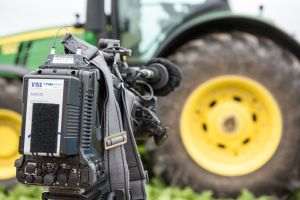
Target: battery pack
(51, 115)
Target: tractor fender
(225, 22)
(18, 71)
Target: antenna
(53, 46)
(261, 9)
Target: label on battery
(63, 59)
(48, 92)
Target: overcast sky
(285, 13)
(23, 15)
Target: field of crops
(156, 191)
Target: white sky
(285, 13)
(22, 15)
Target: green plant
(156, 191)
(21, 192)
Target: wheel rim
(231, 125)
(10, 127)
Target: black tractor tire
(233, 53)
(10, 99)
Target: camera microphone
(163, 75)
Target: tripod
(93, 195)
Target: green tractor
(234, 121)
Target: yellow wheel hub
(10, 127)
(231, 125)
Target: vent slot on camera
(87, 120)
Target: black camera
(82, 113)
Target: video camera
(82, 112)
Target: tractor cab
(143, 24)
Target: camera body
(61, 137)
(82, 113)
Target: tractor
(233, 124)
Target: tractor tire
(10, 128)
(251, 58)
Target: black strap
(115, 157)
(120, 164)
(137, 174)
